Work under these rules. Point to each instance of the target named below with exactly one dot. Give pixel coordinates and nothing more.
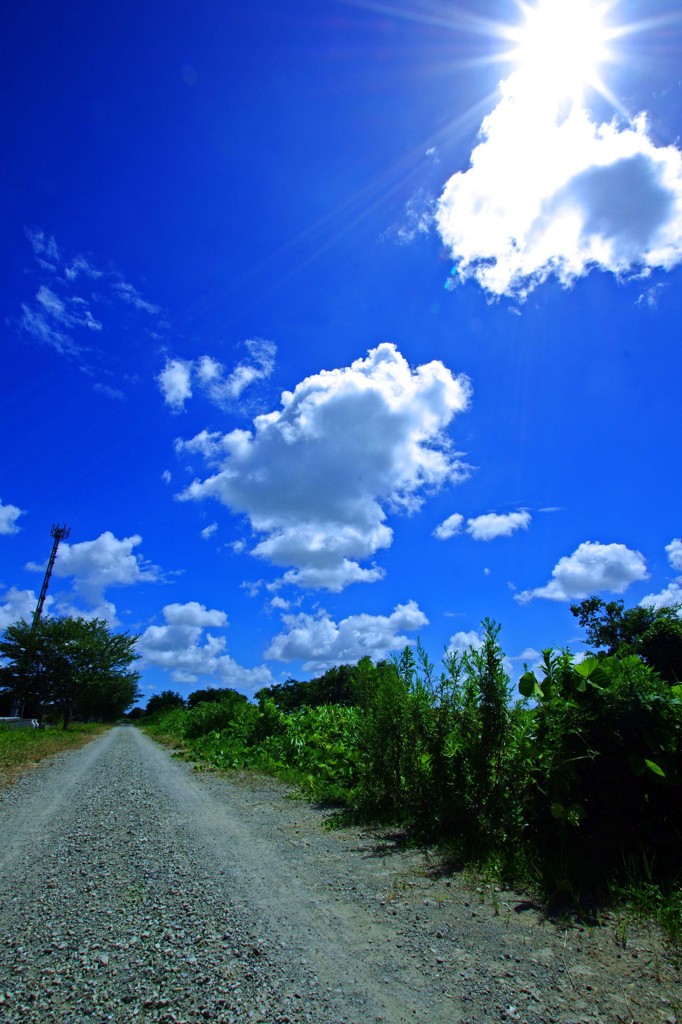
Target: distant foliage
(334, 687)
(653, 634)
(164, 701)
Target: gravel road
(137, 889)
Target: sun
(560, 47)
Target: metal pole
(59, 533)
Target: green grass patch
(23, 749)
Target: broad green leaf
(529, 687)
(593, 670)
(654, 768)
(586, 668)
(558, 810)
(575, 814)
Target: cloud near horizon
(672, 594)
(321, 643)
(551, 192)
(20, 604)
(317, 477)
(592, 567)
(184, 647)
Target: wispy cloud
(222, 387)
(317, 477)
(554, 193)
(74, 300)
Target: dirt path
(138, 890)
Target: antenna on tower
(59, 533)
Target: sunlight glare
(561, 46)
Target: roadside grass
(23, 749)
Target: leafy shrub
(606, 746)
(213, 716)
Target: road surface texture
(137, 889)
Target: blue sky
(332, 326)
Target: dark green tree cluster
(334, 687)
(653, 634)
(167, 700)
(76, 667)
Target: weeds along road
(135, 889)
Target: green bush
(606, 752)
(211, 716)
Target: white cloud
(450, 527)
(674, 550)
(183, 647)
(418, 217)
(464, 640)
(115, 393)
(222, 388)
(485, 527)
(96, 565)
(166, 476)
(672, 594)
(591, 568)
(61, 309)
(317, 477)
(19, 604)
(175, 383)
(320, 642)
(130, 294)
(8, 518)
(104, 562)
(208, 531)
(492, 525)
(551, 192)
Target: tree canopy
(78, 667)
(164, 701)
(654, 634)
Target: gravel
(138, 889)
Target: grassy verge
(23, 749)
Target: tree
(654, 634)
(164, 701)
(213, 695)
(74, 665)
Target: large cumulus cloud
(317, 477)
(550, 191)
